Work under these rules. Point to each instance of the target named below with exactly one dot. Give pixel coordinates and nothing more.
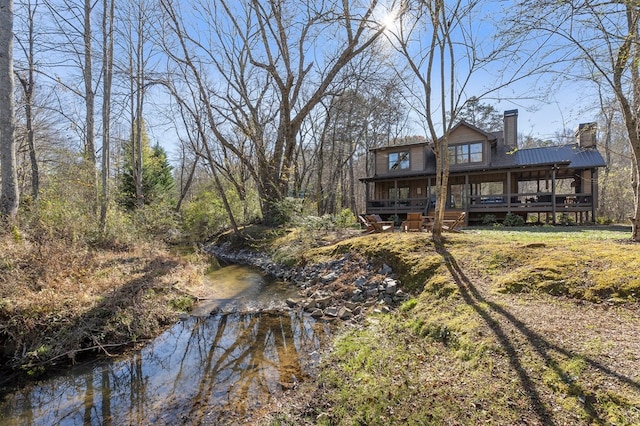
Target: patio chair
(414, 222)
(378, 224)
(451, 224)
(369, 228)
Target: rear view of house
(489, 175)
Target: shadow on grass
(552, 229)
(492, 312)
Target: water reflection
(199, 371)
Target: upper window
(466, 153)
(399, 160)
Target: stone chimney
(586, 135)
(511, 128)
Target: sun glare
(388, 20)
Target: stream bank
(345, 288)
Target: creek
(239, 349)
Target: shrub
(346, 219)
(513, 220)
(489, 219)
(603, 220)
(204, 216)
(284, 211)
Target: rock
(331, 311)
(372, 292)
(350, 305)
(385, 269)
(345, 313)
(309, 305)
(323, 302)
(357, 296)
(292, 303)
(332, 276)
(317, 313)
(361, 281)
(392, 287)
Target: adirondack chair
(451, 221)
(378, 224)
(369, 228)
(413, 223)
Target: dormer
(400, 159)
(469, 146)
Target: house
(489, 175)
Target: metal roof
(571, 155)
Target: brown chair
(369, 228)
(413, 223)
(378, 224)
(451, 224)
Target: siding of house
(416, 160)
(463, 135)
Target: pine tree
(157, 177)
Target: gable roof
(491, 137)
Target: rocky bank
(344, 288)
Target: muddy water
(206, 369)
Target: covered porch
(548, 194)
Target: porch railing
(534, 201)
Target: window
(401, 193)
(399, 160)
(466, 153)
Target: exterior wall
(463, 135)
(586, 179)
(416, 160)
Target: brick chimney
(511, 128)
(586, 135)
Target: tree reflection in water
(200, 371)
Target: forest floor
(532, 326)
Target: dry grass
(60, 301)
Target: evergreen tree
(157, 177)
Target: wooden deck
(578, 205)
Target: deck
(580, 205)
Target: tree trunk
(107, 58)
(9, 196)
(90, 96)
(28, 86)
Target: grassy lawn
(506, 326)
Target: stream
(206, 369)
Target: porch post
(553, 193)
(508, 191)
(594, 194)
(395, 195)
(366, 197)
(467, 195)
(428, 196)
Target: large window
(401, 193)
(399, 160)
(466, 153)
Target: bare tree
(435, 68)
(9, 195)
(108, 10)
(597, 42)
(26, 77)
(441, 43)
(274, 65)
